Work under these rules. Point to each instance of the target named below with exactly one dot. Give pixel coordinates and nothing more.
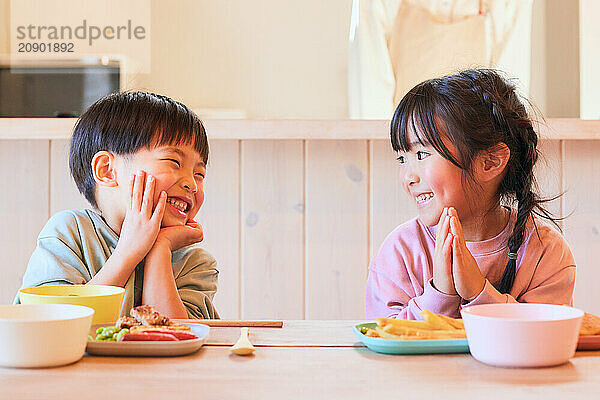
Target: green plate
(389, 346)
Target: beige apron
(423, 46)
(399, 43)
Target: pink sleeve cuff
(489, 295)
(436, 301)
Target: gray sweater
(75, 244)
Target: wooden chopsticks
(237, 323)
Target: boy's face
(179, 170)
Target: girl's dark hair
(123, 123)
(477, 109)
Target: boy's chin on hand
(178, 236)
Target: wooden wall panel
(63, 191)
(390, 204)
(581, 169)
(24, 206)
(272, 229)
(219, 217)
(337, 228)
(548, 173)
(293, 223)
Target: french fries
(433, 326)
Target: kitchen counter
(60, 128)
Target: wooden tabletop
(300, 361)
(292, 334)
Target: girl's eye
(199, 175)
(400, 159)
(422, 154)
(173, 160)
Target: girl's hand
(176, 237)
(142, 221)
(442, 256)
(468, 280)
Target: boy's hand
(141, 224)
(442, 256)
(468, 280)
(176, 237)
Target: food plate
(389, 346)
(591, 342)
(178, 348)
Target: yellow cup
(105, 300)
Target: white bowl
(43, 335)
(522, 334)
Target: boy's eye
(199, 175)
(173, 160)
(400, 159)
(422, 154)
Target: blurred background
(339, 59)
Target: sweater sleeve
(197, 284)
(398, 298)
(57, 258)
(552, 280)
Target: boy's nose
(191, 187)
(190, 184)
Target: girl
(466, 147)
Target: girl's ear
(103, 168)
(492, 162)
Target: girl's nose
(410, 178)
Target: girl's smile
(432, 181)
(423, 199)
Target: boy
(140, 160)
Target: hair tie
(512, 256)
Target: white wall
(589, 52)
(284, 59)
(272, 58)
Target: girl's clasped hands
(455, 271)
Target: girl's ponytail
(526, 203)
(510, 118)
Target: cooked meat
(126, 322)
(147, 315)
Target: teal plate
(389, 346)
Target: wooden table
(303, 360)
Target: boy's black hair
(123, 123)
(476, 110)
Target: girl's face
(179, 170)
(432, 181)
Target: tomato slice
(149, 336)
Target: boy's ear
(103, 168)
(492, 162)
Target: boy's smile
(179, 171)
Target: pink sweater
(400, 275)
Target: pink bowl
(522, 334)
